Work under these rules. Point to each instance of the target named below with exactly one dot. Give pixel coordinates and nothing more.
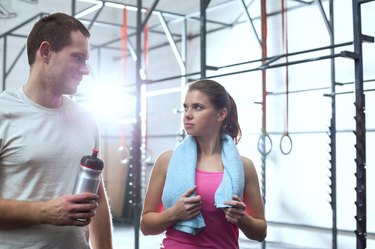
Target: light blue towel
(181, 177)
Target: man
(43, 135)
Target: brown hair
(220, 98)
(55, 29)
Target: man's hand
(70, 210)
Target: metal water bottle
(89, 178)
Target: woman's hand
(187, 207)
(234, 213)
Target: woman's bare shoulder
(247, 162)
(248, 165)
(165, 155)
(162, 161)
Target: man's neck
(42, 95)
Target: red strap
(122, 141)
(146, 60)
(145, 48)
(285, 48)
(124, 49)
(124, 38)
(264, 56)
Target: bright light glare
(109, 103)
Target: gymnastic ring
(261, 145)
(286, 152)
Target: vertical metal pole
(333, 128)
(73, 7)
(203, 34)
(136, 140)
(360, 131)
(183, 79)
(4, 61)
(263, 10)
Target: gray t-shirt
(40, 152)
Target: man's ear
(223, 113)
(45, 51)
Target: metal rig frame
(135, 166)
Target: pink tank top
(218, 233)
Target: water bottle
(89, 178)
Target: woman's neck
(209, 155)
(209, 146)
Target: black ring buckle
(262, 144)
(286, 152)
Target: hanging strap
(264, 56)
(264, 137)
(123, 150)
(145, 47)
(147, 156)
(286, 51)
(124, 38)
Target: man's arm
(101, 225)
(68, 210)
(14, 214)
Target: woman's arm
(155, 219)
(249, 213)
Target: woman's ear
(223, 113)
(45, 51)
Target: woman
(210, 117)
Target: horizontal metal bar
(289, 54)
(277, 65)
(171, 78)
(250, 70)
(364, 1)
(17, 35)
(367, 38)
(367, 90)
(318, 88)
(327, 229)
(15, 60)
(23, 24)
(316, 131)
